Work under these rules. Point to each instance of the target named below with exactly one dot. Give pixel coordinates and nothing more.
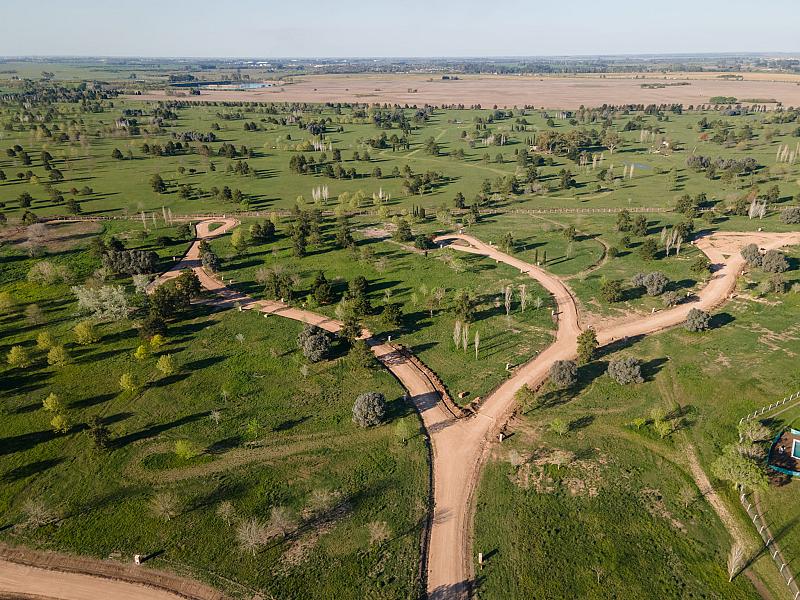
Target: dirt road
(459, 446)
(31, 582)
(461, 450)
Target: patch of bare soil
(771, 339)
(56, 237)
(655, 505)
(583, 476)
(300, 548)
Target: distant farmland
(506, 91)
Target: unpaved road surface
(42, 583)
(459, 446)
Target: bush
(611, 290)
(697, 320)
(369, 409)
(670, 298)
(655, 283)
(314, 343)
(18, 357)
(648, 249)
(564, 373)
(57, 356)
(701, 265)
(774, 262)
(752, 255)
(186, 450)
(587, 344)
(791, 215)
(85, 333)
(625, 370)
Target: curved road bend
(459, 446)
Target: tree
(739, 470)
(251, 535)
(697, 320)
(281, 521)
(361, 356)
(314, 343)
(357, 295)
(564, 373)
(403, 231)
(57, 356)
(322, 289)
(648, 249)
(165, 365)
(625, 370)
(736, 560)
(45, 341)
(53, 403)
(751, 254)
(60, 423)
(85, 333)
(157, 184)
(464, 306)
(127, 382)
(392, 314)
(791, 215)
(639, 226)
(116, 154)
(611, 290)
(98, 433)
(165, 505)
(624, 220)
(587, 345)
(774, 262)
(570, 233)
(37, 514)
(239, 241)
(18, 357)
(369, 409)
(655, 283)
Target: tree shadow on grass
(651, 368)
(93, 401)
(721, 319)
(25, 441)
(155, 430)
(30, 469)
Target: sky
(409, 28)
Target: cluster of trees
(131, 262)
(727, 168)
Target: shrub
(361, 356)
(774, 262)
(587, 344)
(625, 370)
(670, 298)
(53, 403)
(559, 427)
(127, 383)
(638, 280)
(314, 343)
(166, 365)
(648, 249)
(60, 423)
(655, 283)
(701, 265)
(791, 215)
(752, 255)
(392, 314)
(186, 449)
(85, 333)
(611, 290)
(697, 320)
(57, 356)
(369, 409)
(775, 284)
(45, 341)
(564, 373)
(18, 357)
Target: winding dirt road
(459, 446)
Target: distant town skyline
(248, 28)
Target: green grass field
(606, 510)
